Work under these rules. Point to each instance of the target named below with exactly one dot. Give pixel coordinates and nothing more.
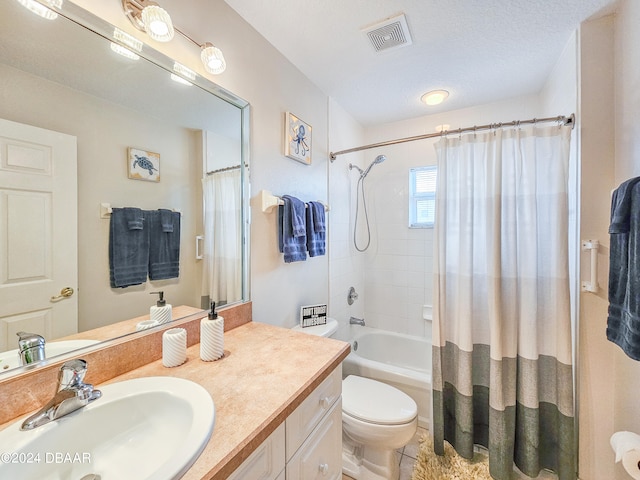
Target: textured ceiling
(480, 50)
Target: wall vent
(390, 33)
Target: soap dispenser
(161, 311)
(212, 336)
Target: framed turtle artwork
(143, 165)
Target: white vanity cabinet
(308, 445)
(266, 462)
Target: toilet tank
(325, 330)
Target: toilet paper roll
(174, 347)
(211, 339)
(626, 446)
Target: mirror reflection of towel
(128, 247)
(164, 244)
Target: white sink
(146, 428)
(11, 358)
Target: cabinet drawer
(309, 413)
(320, 456)
(266, 462)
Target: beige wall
(596, 364)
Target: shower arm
(561, 119)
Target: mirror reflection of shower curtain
(502, 349)
(222, 272)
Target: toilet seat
(375, 402)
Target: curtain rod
(226, 169)
(565, 120)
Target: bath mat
(450, 466)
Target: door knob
(64, 293)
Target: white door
(38, 232)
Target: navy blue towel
(128, 248)
(316, 236)
(292, 232)
(623, 321)
(164, 244)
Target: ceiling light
(435, 97)
(41, 10)
(212, 59)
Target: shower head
(378, 159)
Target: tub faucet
(356, 321)
(72, 394)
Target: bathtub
(403, 361)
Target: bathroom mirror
(62, 76)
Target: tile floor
(407, 457)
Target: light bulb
(212, 59)
(157, 23)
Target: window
(422, 197)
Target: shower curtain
(502, 338)
(222, 271)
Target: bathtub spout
(356, 321)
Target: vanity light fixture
(42, 10)
(149, 17)
(212, 58)
(435, 97)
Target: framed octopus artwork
(143, 165)
(297, 139)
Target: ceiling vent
(389, 34)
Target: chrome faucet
(356, 321)
(72, 394)
(30, 347)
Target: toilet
(377, 419)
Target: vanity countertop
(265, 374)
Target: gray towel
(623, 321)
(128, 248)
(164, 244)
(292, 237)
(316, 236)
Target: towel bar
(269, 201)
(106, 209)
(592, 285)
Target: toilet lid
(376, 402)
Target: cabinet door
(266, 462)
(309, 413)
(320, 456)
